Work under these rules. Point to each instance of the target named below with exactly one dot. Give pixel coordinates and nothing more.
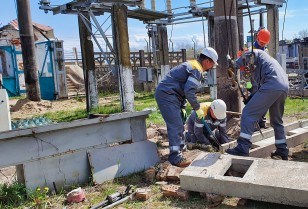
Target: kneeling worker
(214, 118)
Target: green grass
(12, 195)
(296, 107)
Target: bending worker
(214, 118)
(179, 84)
(271, 93)
(262, 39)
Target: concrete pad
(256, 137)
(113, 162)
(283, 182)
(294, 138)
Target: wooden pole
(226, 42)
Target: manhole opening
(238, 168)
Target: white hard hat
(219, 108)
(211, 53)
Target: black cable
(226, 25)
(238, 28)
(230, 29)
(251, 32)
(284, 19)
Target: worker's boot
(281, 152)
(176, 158)
(241, 149)
(278, 156)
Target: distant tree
(303, 33)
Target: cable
(226, 25)
(238, 28)
(16, 8)
(284, 19)
(251, 32)
(230, 28)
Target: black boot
(241, 149)
(278, 156)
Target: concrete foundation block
(276, 181)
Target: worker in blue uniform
(178, 85)
(215, 118)
(271, 93)
(262, 39)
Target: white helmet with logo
(211, 53)
(219, 108)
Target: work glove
(200, 113)
(183, 115)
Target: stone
(143, 194)
(174, 173)
(162, 171)
(172, 190)
(150, 174)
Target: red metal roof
(14, 23)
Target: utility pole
(273, 27)
(226, 41)
(88, 64)
(163, 50)
(121, 48)
(28, 51)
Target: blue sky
(66, 26)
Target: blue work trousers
(262, 101)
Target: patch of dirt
(24, 108)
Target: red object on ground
(75, 196)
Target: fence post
(75, 55)
(184, 58)
(141, 58)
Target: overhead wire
(251, 28)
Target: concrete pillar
(142, 6)
(163, 51)
(88, 63)
(230, 96)
(121, 47)
(273, 27)
(5, 119)
(169, 6)
(153, 5)
(28, 50)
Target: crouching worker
(198, 136)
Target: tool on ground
(211, 133)
(113, 198)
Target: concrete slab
(122, 160)
(267, 134)
(264, 147)
(283, 182)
